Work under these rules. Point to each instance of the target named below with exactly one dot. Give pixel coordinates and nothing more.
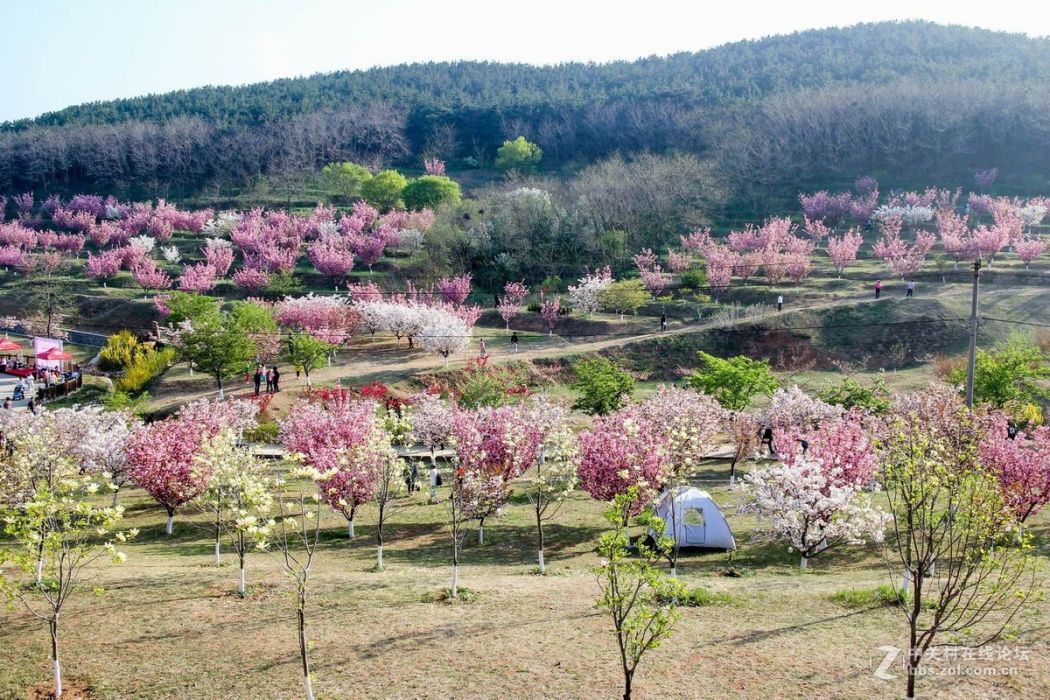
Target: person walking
(911, 289)
(269, 380)
(257, 378)
(878, 288)
(514, 341)
(767, 440)
(663, 321)
(780, 302)
(481, 349)
(435, 481)
(276, 379)
(7, 403)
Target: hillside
(816, 107)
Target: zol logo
(881, 672)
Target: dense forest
(906, 102)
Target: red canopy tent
(8, 345)
(54, 354)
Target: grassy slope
(170, 625)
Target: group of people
(271, 375)
(909, 290)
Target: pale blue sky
(56, 53)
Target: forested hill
(721, 103)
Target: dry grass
(170, 625)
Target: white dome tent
(699, 521)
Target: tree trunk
(350, 529)
(222, 395)
(379, 555)
(242, 590)
(481, 533)
(455, 580)
(802, 564)
(218, 551)
(170, 525)
(116, 492)
(303, 647)
(53, 625)
(539, 532)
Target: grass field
(171, 625)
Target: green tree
(640, 599)
(1009, 377)
(121, 351)
(344, 179)
(851, 392)
(733, 382)
(216, 345)
(624, 297)
(307, 352)
(602, 386)
(183, 306)
(428, 191)
(963, 577)
(518, 154)
(384, 190)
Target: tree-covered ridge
(866, 53)
(907, 102)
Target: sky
(56, 53)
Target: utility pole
(973, 334)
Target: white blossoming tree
(444, 334)
(237, 499)
(585, 296)
(805, 506)
(56, 527)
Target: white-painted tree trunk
(222, 395)
(906, 582)
(170, 525)
(218, 554)
(732, 480)
(455, 581)
(802, 565)
(39, 570)
(379, 555)
(58, 679)
(308, 688)
(350, 530)
(481, 535)
(543, 565)
(242, 588)
(674, 573)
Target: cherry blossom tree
(251, 280)
(745, 430)
(331, 260)
(455, 290)
(622, 450)
(1022, 466)
(150, 277)
(431, 421)
(197, 278)
(104, 265)
(679, 262)
(514, 294)
(842, 447)
(699, 242)
(816, 229)
(843, 249)
(368, 249)
(218, 254)
(1028, 249)
(327, 318)
(161, 458)
(550, 309)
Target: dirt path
(371, 359)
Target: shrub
(602, 385)
(144, 370)
(880, 596)
(694, 278)
(121, 351)
(849, 393)
(263, 432)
